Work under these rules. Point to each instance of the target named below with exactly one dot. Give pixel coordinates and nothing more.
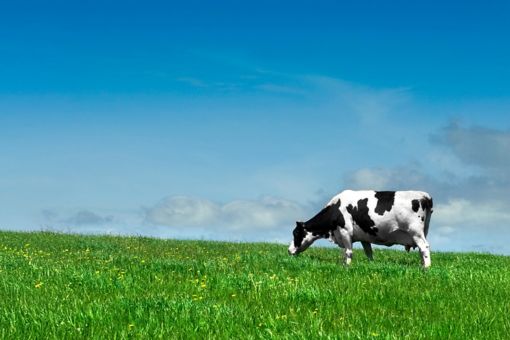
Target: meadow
(72, 286)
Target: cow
(378, 217)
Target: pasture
(73, 286)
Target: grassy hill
(70, 286)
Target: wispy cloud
(372, 105)
(194, 82)
(86, 217)
(79, 218)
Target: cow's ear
(299, 224)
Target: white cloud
(184, 211)
(265, 213)
(463, 225)
(457, 213)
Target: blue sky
(231, 120)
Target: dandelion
(195, 297)
(38, 285)
(233, 295)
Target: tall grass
(70, 286)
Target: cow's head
(302, 239)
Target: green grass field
(70, 286)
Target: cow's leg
(367, 247)
(347, 243)
(348, 254)
(424, 247)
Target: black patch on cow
(426, 203)
(416, 205)
(361, 217)
(326, 221)
(385, 200)
(299, 234)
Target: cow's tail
(427, 205)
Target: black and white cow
(379, 217)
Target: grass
(71, 286)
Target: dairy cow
(378, 217)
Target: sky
(231, 120)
